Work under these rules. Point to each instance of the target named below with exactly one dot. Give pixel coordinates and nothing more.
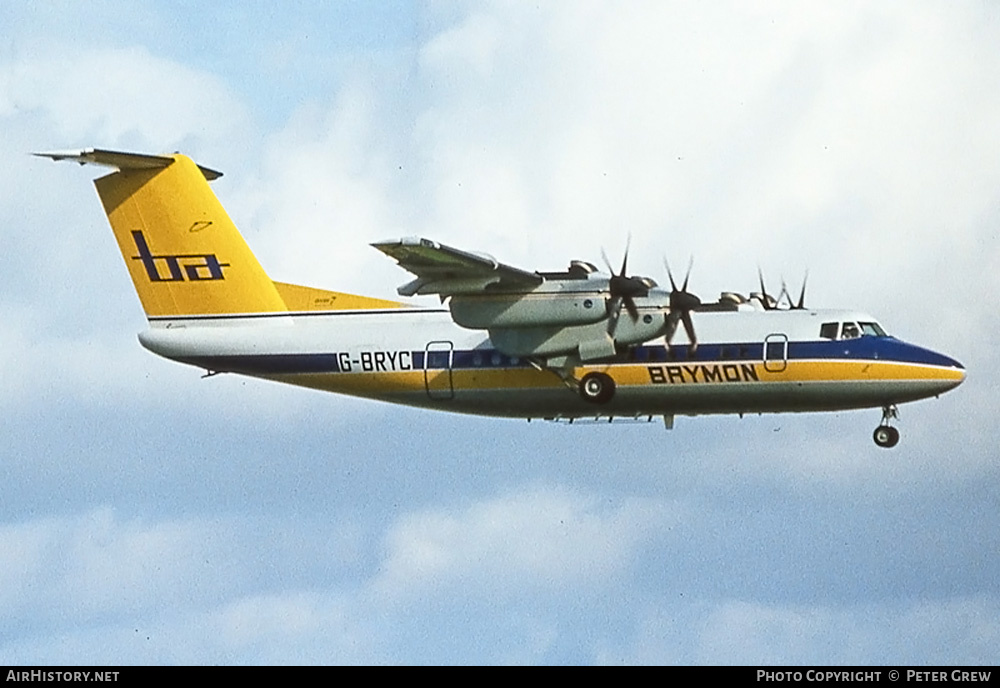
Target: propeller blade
(672, 319)
(614, 312)
(607, 263)
(689, 329)
(630, 307)
(764, 298)
(670, 276)
(687, 276)
(784, 294)
(801, 305)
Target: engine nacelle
(487, 311)
(586, 341)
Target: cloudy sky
(150, 516)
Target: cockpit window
(870, 329)
(850, 330)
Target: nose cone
(956, 365)
(947, 362)
(958, 370)
(929, 373)
(948, 372)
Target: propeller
(771, 304)
(624, 290)
(682, 302)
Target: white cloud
(323, 194)
(852, 140)
(284, 629)
(953, 631)
(545, 538)
(95, 564)
(472, 44)
(125, 96)
(169, 589)
(519, 577)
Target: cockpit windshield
(871, 329)
(851, 330)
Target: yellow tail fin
(184, 254)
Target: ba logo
(194, 267)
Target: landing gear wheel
(597, 388)
(886, 436)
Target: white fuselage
(747, 361)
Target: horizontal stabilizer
(121, 161)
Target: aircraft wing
(445, 270)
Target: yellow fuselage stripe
(629, 375)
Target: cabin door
(775, 353)
(437, 370)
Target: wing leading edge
(446, 271)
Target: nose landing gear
(885, 435)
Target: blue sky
(150, 516)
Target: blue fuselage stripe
(887, 349)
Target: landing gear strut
(885, 435)
(594, 388)
(597, 388)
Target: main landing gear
(597, 388)
(885, 435)
(594, 388)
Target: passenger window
(829, 330)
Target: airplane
(572, 346)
